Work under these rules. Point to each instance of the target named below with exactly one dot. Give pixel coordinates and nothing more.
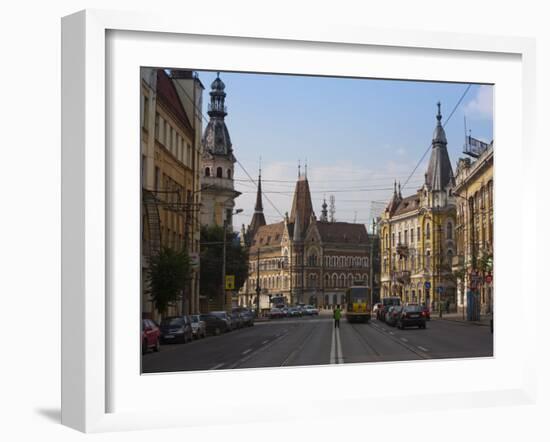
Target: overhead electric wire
(444, 124)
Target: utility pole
(371, 266)
(223, 265)
(258, 289)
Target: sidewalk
(485, 320)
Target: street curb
(462, 321)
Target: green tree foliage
(168, 274)
(236, 262)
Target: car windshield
(194, 318)
(219, 314)
(172, 322)
(412, 308)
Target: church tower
(217, 189)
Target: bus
(357, 305)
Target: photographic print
(292, 220)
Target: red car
(150, 336)
(426, 312)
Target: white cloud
(481, 106)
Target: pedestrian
(337, 314)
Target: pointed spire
(439, 133)
(297, 231)
(440, 172)
(324, 212)
(399, 193)
(258, 219)
(299, 166)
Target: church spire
(258, 219)
(324, 212)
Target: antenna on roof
(299, 168)
(332, 208)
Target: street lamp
(225, 222)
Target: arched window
(449, 230)
(449, 257)
(342, 280)
(327, 281)
(207, 171)
(219, 172)
(428, 231)
(334, 281)
(229, 173)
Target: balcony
(402, 250)
(457, 262)
(403, 276)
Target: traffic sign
(427, 284)
(229, 282)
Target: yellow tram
(357, 305)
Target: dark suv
(176, 329)
(215, 325)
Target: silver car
(198, 326)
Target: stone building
(170, 158)
(302, 259)
(474, 230)
(417, 234)
(217, 188)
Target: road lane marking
(404, 340)
(265, 342)
(422, 348)
(333, 347)
(340, 357)
(215, 367)
(246, 351)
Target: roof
(268, 235)
(169, 96)
(341, 232)
(440, 171)
(302, 209)
(408, 204)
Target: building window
(219, 172)
(157, 178)
(393, 239)
(145, 112)
(428, 231)
(449, 230)
(229, 173)
(157, 126)
(207, 171)
(418, 233)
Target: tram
(357, 305)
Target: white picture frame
(91, 370)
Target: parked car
(215, 325)
(393, 315)
(285, 310)
(247, 316)
(176, 329)
(198, 326)
(309, 310)
(294, 312)
(224, 316)
(411, 315)
(275, 313)
(237, 320)
(426, 311)
(150, 336)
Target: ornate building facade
(474, 230)
(302, 259)
(417, 234)
(217, 188)
(170, 158)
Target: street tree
(212, 256)
(167, 277)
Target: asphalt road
(314, 341)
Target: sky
(356, 135)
